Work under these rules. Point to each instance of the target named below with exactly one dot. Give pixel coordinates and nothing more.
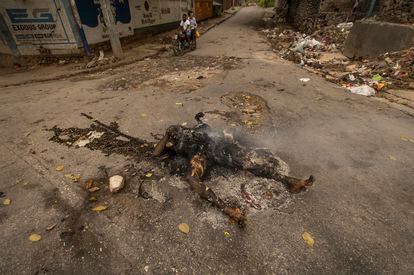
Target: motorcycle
(181, 44)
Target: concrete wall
(38, 26)
(48, 27)
(372, 38)
(130, 15)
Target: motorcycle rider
(185, 27)
(193, 24)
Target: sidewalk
(147, 48)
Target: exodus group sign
(34, 25)
(37, 16)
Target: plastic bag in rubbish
(345, 25)
(303, 43)
(362, 90)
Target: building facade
(61, 27)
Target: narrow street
(360, 150)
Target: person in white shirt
(185, 26)
(193, 24)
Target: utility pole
(112, 30)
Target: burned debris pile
(196, 154)
(105, 138)
(202, 149)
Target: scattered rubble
(173, 74)
(321, 53)
(100, 60)
(116, 183)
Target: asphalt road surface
(359, 212)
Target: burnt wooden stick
(208, 194)
(160, 147)
(198, 166)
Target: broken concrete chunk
(116, 183)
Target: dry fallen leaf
(50, 227)
(35, 237)
(89, 184)
(59, 167)
(392, 157)
(6, 201)
(148, 175)
(93, 189)
(184, 228)
(92, 199)
(379, 86)
(308, 239)
(407, 139)
(100, 208)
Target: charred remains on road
(204, 148)
(192, 153)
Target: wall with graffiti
(35, 27)
(130, 15)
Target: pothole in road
(250, 110)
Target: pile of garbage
(100, 60)
(321, 53)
